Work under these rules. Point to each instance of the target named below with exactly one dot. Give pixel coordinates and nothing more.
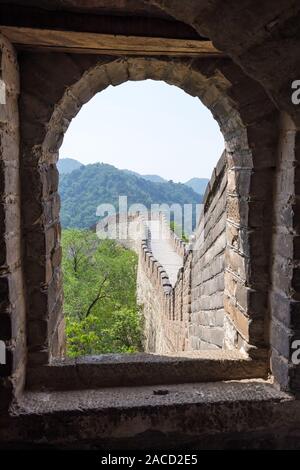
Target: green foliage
(122, 334)
(83, 190)
(100, 295)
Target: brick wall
(247, 123)
(156, 296)
(208, 264)
(127, 229)
(284, 296)
(266, 50)
(190, 315)
(12, 306)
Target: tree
(84, 189)
(123, 334)
(100, 295)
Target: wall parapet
(189, 314)
(173, 320)
(153, 266)
(177, 243)
(214, 181)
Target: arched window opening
(220, 297)
(134, 167)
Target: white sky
(148, 127)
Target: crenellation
(237, 290)
(197, 307)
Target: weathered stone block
(37, 334)
(280, 370)
(237, 263)
(239, 181)
(237, 210)
(239, 319)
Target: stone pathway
(164, 252)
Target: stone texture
(220, 86)
(114, 370)
(247, 93)
(191, 416)
(12, 306)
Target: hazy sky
(149, 127)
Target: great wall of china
(181, 286)
(229, 321)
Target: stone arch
(250, 137)
(263, 40)
(258, 39)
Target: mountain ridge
(85, 188)
(67, 165)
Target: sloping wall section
(206, 330)
(190, 314)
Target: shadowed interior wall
(247, 92)
(12, 305)
(284, 297)
(71, 80)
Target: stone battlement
(180, 286)
(189, 314)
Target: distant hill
(83, 190)
(198, 184)
(153, 178)
(67, 165)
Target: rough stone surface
(12, 308)
(196, 416)
(207, 267)
(115, 370)
(249, 94)
(213, 81)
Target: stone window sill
(151, 417)
(118, 370)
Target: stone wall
(284, 296)
(12, 306)
(190, 315)
(248, 123)
(127, 229)
(246, 91)
(155, 295)
(248, 119)
(208, 264)
(176, 242)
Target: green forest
(100, 307)
(84, 189)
